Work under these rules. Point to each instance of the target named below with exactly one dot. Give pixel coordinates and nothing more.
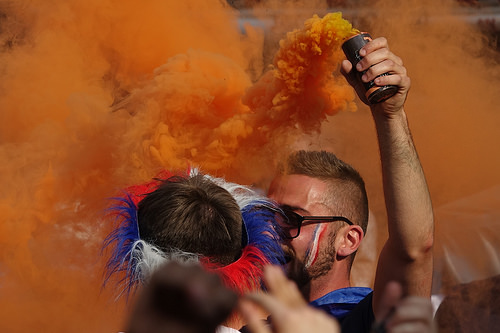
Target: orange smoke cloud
(304, 89)
(205, 111)
(99, 95)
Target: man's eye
(290, 220)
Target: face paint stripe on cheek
(313, 248)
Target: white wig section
(145, 259)
(243, 195)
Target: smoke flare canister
(374, 93)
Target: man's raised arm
(407, 255)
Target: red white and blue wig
(136, 259)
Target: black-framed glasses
(293, 220)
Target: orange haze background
(98, 95)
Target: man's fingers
(412, 312)
(268, 303)
(392, 294)
(281, 287)
(373, 45)
(252, 317)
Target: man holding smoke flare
(317, 187)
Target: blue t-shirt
(340, 302)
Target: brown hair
(193, 215)
(346, 194)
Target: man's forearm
(408, 203)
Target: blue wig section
(259, 218)
(122, 239)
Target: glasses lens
(292, 219)
(291, 222)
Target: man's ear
(349, 240)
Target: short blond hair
(346, 193)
